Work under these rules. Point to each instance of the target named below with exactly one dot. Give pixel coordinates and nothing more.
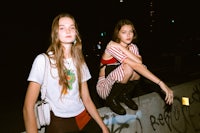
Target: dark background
(169, 49)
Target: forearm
(141, 69)
(91, 108)
(28, 107)
(30, 121)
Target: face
(126, 34)
(67, 30)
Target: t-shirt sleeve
(85, 73)
(116, 53)
(134, 49)
(37, 70)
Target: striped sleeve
(134, 49)
(116, 53)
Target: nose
(68, 30)
(130, 34)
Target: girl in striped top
(120, 66)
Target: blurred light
(185, 101)
(99, 45)
(103, 34)
(172, 20)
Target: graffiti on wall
(118, 123)
(180, 118)
(177, 119)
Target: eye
(61, 28)
(72, 28)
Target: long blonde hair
(58, 53)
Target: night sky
(26, 25)
(25, 28)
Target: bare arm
(91, 108)
(141, 69)
(28, 108)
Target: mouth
(67, 36)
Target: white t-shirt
(68, 105)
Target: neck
(124, 44)
(67, 50)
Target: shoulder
(133, 45)
(39, 59)
(40, 56)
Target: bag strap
(44, 84)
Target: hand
(169, 93)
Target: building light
(185, 101)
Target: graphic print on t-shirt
(70, 76)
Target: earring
(74, 42)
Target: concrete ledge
(154, 117)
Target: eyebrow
(64, 25)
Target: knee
(129, 72)
(127, 69)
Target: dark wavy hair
(119, 25)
